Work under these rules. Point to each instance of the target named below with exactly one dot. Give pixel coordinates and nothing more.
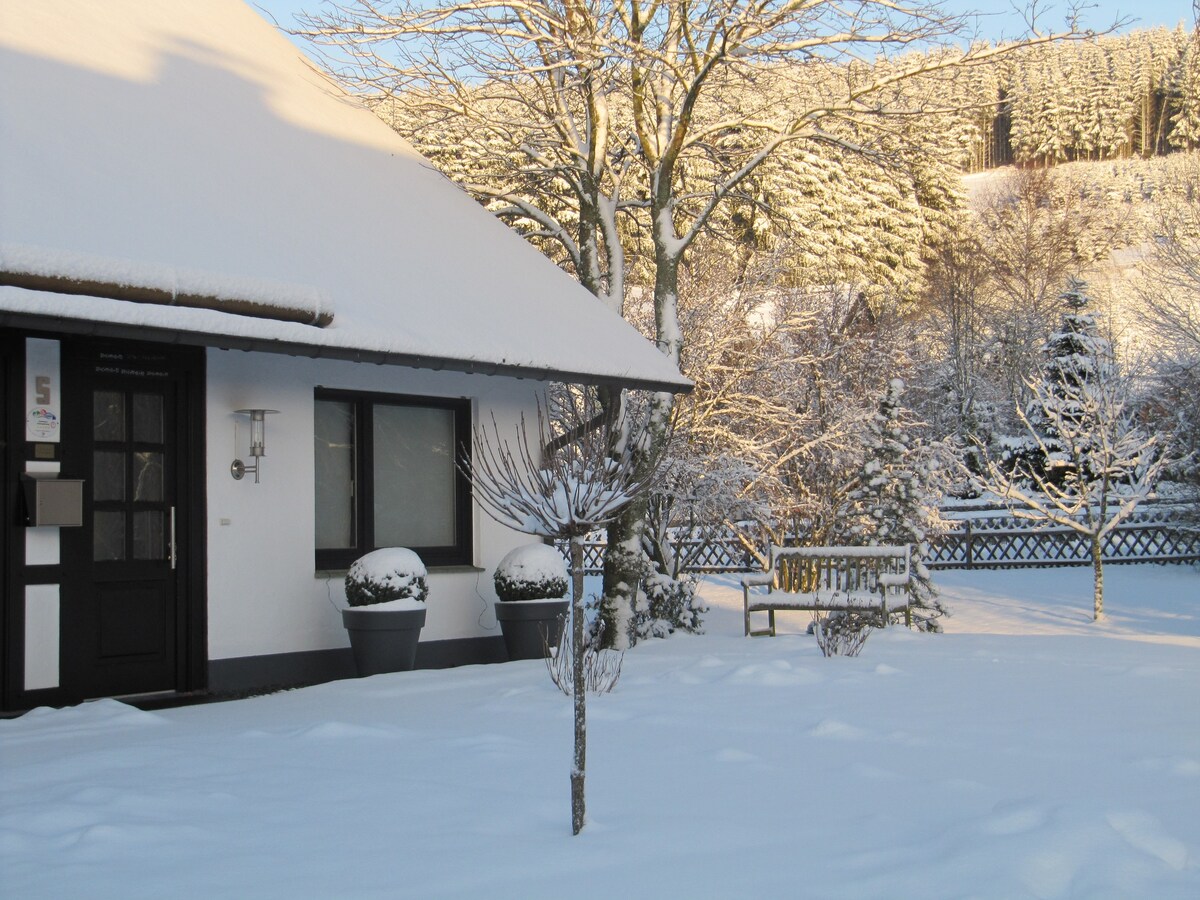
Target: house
(204, 241)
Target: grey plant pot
(529, 626)
(383, 640)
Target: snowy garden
(866, 326)
(1025, 752)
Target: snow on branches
(1085, 463)
(567, 476)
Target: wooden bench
(830, 578)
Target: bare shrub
(601, 668)
(841, 633)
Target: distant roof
(177, 170)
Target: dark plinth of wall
(283, 670)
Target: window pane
(148, 540)
(414, 476)
(108, 411)
(148, 477)
(108, 475)
(108, 535)
(334, 467)
(148, 418)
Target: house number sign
(42, 391)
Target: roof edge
(67, 284)
(181, 337)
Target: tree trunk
(667, 257)
(624, 566)
(578, 688)
(625, 561)
(1097, 577)
(623, 557)
(591, 275)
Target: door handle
(172, 537)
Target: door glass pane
(108, 475)
(334, 467)
(148, 418)
(148, 540)
(414, 476)
(108, 413)
(108, 535)
(148, 476)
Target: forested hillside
(1136, 94)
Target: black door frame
(191, 647)
(12, 613)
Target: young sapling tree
(561, 480)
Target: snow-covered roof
(167, 161)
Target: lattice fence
(720, 555)
(1157, 534)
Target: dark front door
(125, 590)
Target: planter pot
(530, 625)
(383, 640)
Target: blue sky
(1000, 20)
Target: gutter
(116, 330)
(66, 284)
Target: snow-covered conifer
(1076, 357)
(1186, 131)
(893, 499)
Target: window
(387, 476)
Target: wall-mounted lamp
(258, 443)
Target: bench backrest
(802, 570)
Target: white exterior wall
(264, 595)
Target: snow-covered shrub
(670, 604)
(393, 573)
(531, 572)
(662, 605)
(842, 633)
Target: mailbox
(50, 500)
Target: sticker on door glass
(42, 424)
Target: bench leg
(762, 632)
(750, 632)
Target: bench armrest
(759, 579)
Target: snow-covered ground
(1027, 752)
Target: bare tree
(1102, 465)
(785, 379)
(1171, 294)
(561, 480)
(1170, 310)
(1036, 231)
(962, 395)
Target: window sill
(322, 574)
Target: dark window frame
(461, 552)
